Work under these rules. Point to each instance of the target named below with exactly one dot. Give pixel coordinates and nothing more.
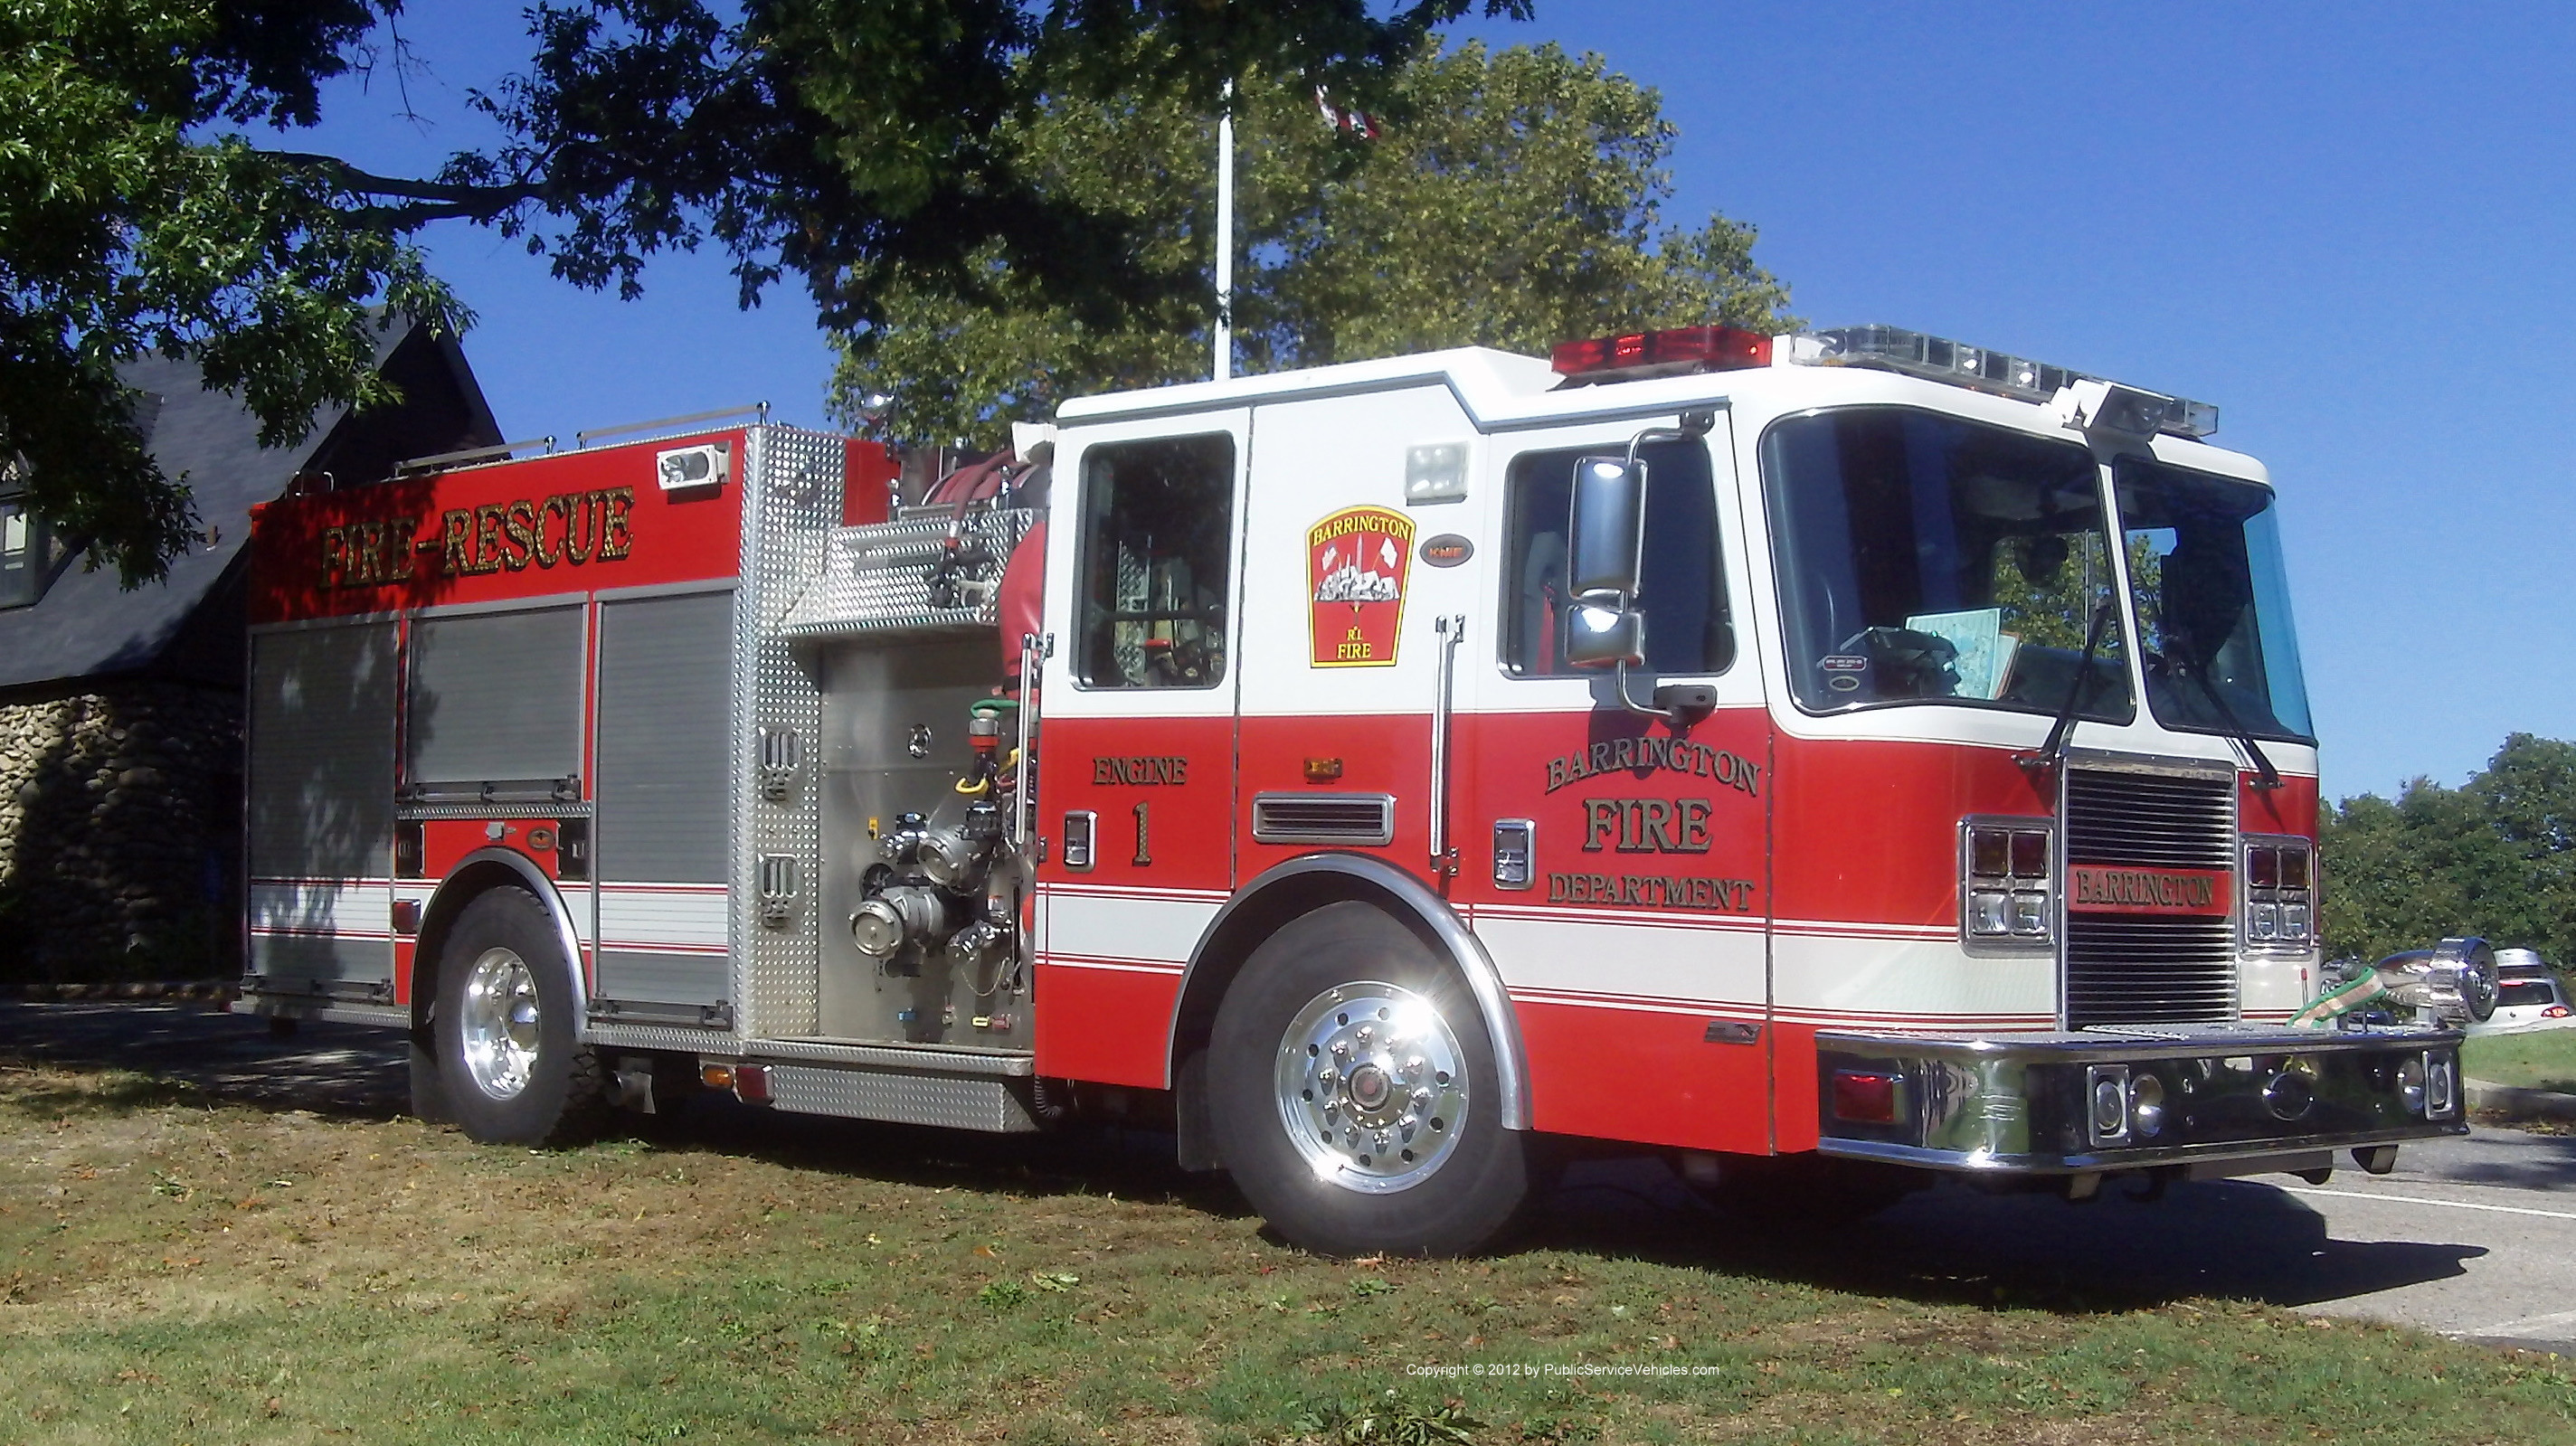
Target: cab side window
(1688, 627)
(1157, 534)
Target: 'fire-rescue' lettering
(486, 539)
(368, 554)
(573, 527)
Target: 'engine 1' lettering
(1162, 771)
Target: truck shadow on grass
(2239, 1240)
(2231, 1239)
(1952, 1244)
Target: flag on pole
(1357, 123)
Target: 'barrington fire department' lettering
(1652, 891)
(1646, 825)
(1673, 755)
(574, 528)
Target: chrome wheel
(1372, 1087)
(497, 1023)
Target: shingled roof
(86, 626)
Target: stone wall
(120, 833)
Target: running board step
(905, 1097)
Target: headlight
(2280, 898)
(2146, 1105)
(2006, 870)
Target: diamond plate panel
(791, 506)
(659, 1036)
(877, 578)
(948, 1101)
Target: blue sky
(2349, 226)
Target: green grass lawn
(176, 1270)
(2545, 1060)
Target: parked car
(2529, 996)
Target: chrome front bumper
(2231, 1095)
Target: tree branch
(455, 200)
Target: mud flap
(428, 1091)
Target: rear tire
(509, 1049)
(1353, 1093)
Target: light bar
(1671, 352)
(1942, 360)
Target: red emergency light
(1671, 352)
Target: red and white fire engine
(1849, 745)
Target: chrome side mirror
(1603, 633)
(1605, 546)
(1606, 533)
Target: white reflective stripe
(311, 907)
(1115, 966)
(576, 899)
(1859, 976)
(644, 916)
(1716, 962)
(1137, 928)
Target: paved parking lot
(2474, 1238)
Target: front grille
(2149, 971)
(2148, 818)
(2124, 969)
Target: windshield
(1927, 559)
(2213, 610)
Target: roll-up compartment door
(664, 831)
(495, 708)
(321, 803)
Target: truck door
(1136, 794)
(1614, 863)
(1343, 617)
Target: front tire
(1353, 1093)
(509, 1047)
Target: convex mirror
(1607, 531)
(1606, 540)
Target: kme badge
(1356, 563)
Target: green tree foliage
(840, 141)
(1512, 200)
(124, 228)
(2495, 858)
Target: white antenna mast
(1224, 363)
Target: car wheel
(508, 1031)
(1353, 1094)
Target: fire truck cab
(1848, 746)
